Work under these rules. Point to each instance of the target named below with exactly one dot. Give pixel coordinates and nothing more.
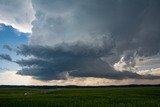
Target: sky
(73, 42)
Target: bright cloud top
(18, 13)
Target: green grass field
(81, 97)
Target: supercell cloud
(90, 38)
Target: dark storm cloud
(138, 27)
(52, 63)
(5, 57)
(74, 36)
(134, 24)
(48, 63)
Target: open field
(81, 97)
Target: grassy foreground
(81, 97)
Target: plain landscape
(80, 96)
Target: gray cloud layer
(73, 37)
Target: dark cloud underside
(55, 63)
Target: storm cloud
(48, 63)
(90, 38)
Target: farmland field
(81, 97)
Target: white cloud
(17, 13)
(122, 65)
(149, 66)
(91, 81)
(11, 78)
(153, 60)
(152, 71)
